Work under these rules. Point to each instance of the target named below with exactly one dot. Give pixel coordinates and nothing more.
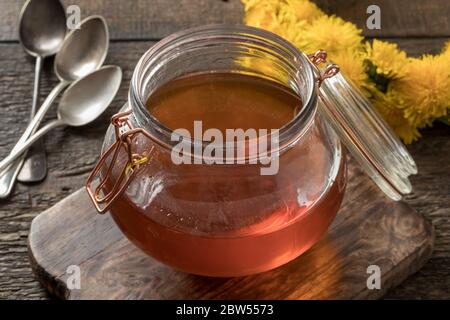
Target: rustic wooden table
(418, 26)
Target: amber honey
(229, 220)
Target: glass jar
(225, 219)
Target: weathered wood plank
(138, 19)
(72, 153)
(154, 19)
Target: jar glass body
(229, 219)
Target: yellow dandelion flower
(300, 10)
(387, 58)
(391, 108)
(261, 13)
(266, 15)
(332, 34)
(351, 65)
(409, 93)
(291, 33)
(425, 89)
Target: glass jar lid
(362, 129)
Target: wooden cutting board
(368, 230)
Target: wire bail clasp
(125, 136)
(331, 69)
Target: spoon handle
(34, 168)
(29, 165)
(8, 177)
(8, 174)
(37, 119)
(37, 85)
(20, 149)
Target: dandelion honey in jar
(220, 164)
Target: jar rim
(289, 134)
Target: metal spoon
(42, 28)
(83, 102)
(83, 51)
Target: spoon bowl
(42, 27)
(86, 99)
(84, 50)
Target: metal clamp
(329, 71)
(125, 136)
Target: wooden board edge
(412, 263)
(54, 285)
